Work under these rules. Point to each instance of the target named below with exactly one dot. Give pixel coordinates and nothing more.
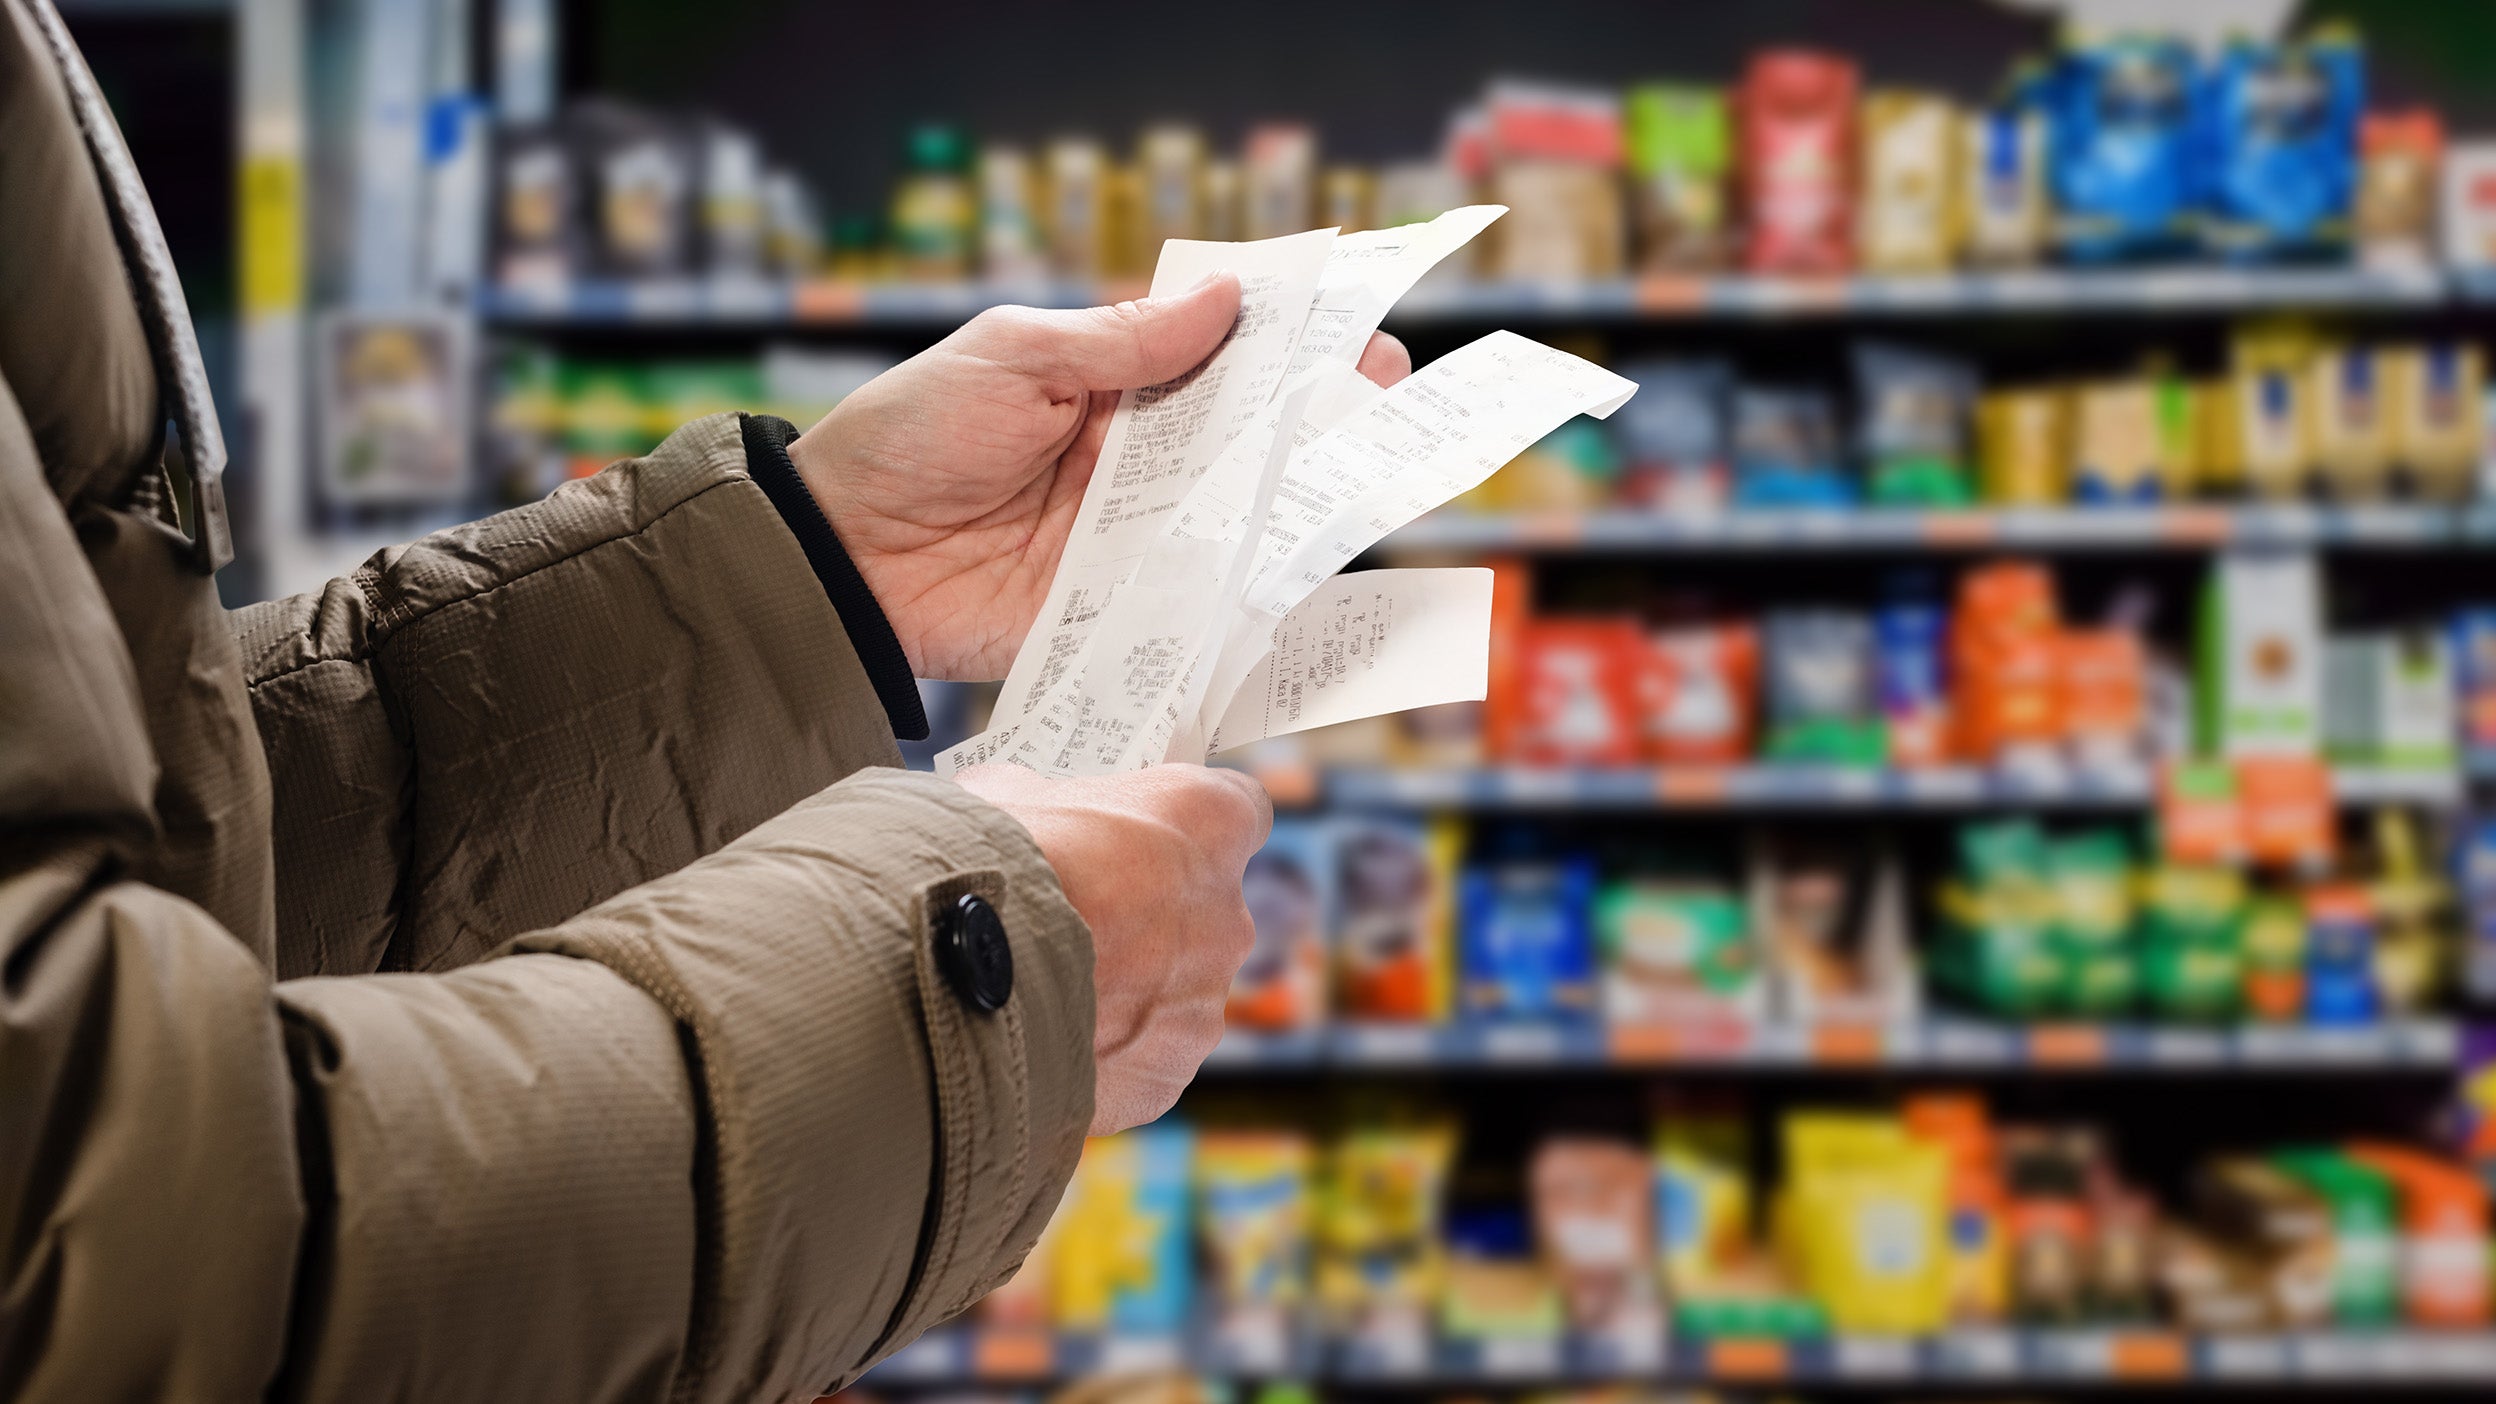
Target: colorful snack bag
(1796, 111)
(1254, 1210)
(1785, 449)
(1904, 219)
(2278, 131)
(1698, 694)
(1379, 1259)
(1680, 142)
(1821, 699)
(1910, 637)
(1702, 1199)
(2115, 442)
(1394, 898)
(1675, 438)
(1913, 431)
(2398, 155)
(1577, 692)
(1675, 952)
(2001, 169)
(1289, 886)
(2352, 423)
(1594, 1227)
(2123, 173)
(2020, 448)
(1526, 946)
(2433, 392)
(1125, 1258)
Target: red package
(1577, 693)
(1698, 694)
(1796, 111)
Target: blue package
(2120, 130)
(1155, 1296)
(1909, 658)
(2339, 968)
(1526, 947)
(1785, 449)
(2474, 673)
(2275, 136)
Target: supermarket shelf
(1783, 786)
(1957, 1044)
(1629, 532)
(699, 301)
(2004, 1357)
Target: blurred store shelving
(1874, 713)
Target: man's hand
(1151, 860)
(953, 478)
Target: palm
(962, 479)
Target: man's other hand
(953, 479)
(1152, 861)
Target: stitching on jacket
(390, 619)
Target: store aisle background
(1932, 900)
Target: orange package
(2287, 811)
(1576, 693)
(1698, 694)
(2102, 682)
(2444, 1235)
(2006, 660)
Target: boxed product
(2278, 126)
(2433, 394)
(1915, 408)
(1525, 939)
(2000, 171)
(1289, 888)
(1785, 449)
(1795, 113)
(2021, 448)
(1864, 1221)
(1832, 923)
(2388, 699)
(1698, 694)
(1821, 700)
(1555, 155)
(2352, 429)
(2398, 156)
(1379, 1258)
(640, 176)
(2005, 657)
(1904, 219)
(1576, 693)
(936, 216)
(1675, 436)
(1125, 1258)
(2261, 683)
(1171, 161)
(2470, 204)
(1910, 641)
(1394, 895)
(1255, 1206)
(2191, 935)
(1676, 951)
(541, 239)
(1998, 948)
(1680, 148)
(2123, 173)
(1594, 1229)
(1011, 247)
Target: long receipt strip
(1197, 606)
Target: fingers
(1132, 344)
(1384, 360)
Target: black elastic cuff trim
(870, 633)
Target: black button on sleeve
(972, 949)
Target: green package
(2365, 1233)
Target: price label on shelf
(1979, 1355)
(1140, 1355)
(2247, 1357)
(1522, 1043)
(1009, 1354)
(1875, 1357)
(1747, 1358)
(1520, 1357)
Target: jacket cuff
(877, 1153)
(870, 633)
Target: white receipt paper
(1198, 605)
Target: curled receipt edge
(1197, 606)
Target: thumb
(1132, 344)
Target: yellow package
(2434, 394)
(1347, 199)
(1703, 1202)
(2000, 174)
(2270, 423)
(2219, 456)
(1253, 1206)
(2352, 433)
(1129, 256)
(1903, 216)
(2115, 446)
(1378, 1233)
(1866, 1222)
(2020, 447)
